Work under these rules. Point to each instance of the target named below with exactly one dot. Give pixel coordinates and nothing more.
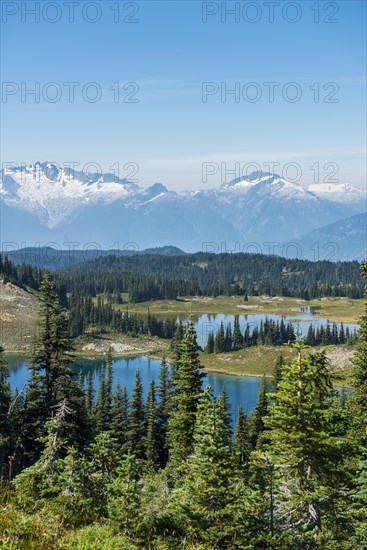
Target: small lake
(206, 323)
(241, 390)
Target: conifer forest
(183, 275)
(169, 468)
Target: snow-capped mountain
(341, 193)
(43, 203)
(53, 194)
(265, 206)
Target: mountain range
(42, 203)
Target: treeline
(102, 317)
(275, 333)
(21, 275)
(318, 335)
(205, 274)
(153, 277)
(268, 333)
(83, 471)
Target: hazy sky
(298, 78)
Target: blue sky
(169, 53)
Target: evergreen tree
(247, 337)
(212, 494)
(125, 496)
(224, 408)
(303, 448)
(120, 419)
(16, 412)
(228, 340)
(151, 440)
(137, 420)
(39, 481)
(164, 410)
(109, 382)
(237, 335)
(219, 341)
(176, 344)
(103, 453)
(89, 394)
(51, 379)
(256, 420)
(210, 343)
(187, 390)
(278, 367)
(310, 338)
(101, 402)
(242, 442)
(260, 337)
(52, 349)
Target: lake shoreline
(158, 357)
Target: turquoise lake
(241, 390)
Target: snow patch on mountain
(342, 193)
(268, 184)
(53, 194)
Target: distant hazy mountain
(342, 240)
(44, 204)
(53, 258)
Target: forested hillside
(158, 277)
(148, 276)
(109, 471)
(95, 292)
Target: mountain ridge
(43, 203)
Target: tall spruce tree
(210, 343)
(187, 391)
(164, 410)
(242, 441)
(214, 498)
(101, 402)
(109, 383)
(151, 439)
(52, 348)
(224, 408)
(237, 335)
(278, 367)
(124, 494)
(90, 393)
(176, 345)
(137, 419)
(120, 419)
(256, 420)
(304, 448)
(51, 379)
(39, 481)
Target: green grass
(336, 309)
(259, 361)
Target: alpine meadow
(183, 275)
